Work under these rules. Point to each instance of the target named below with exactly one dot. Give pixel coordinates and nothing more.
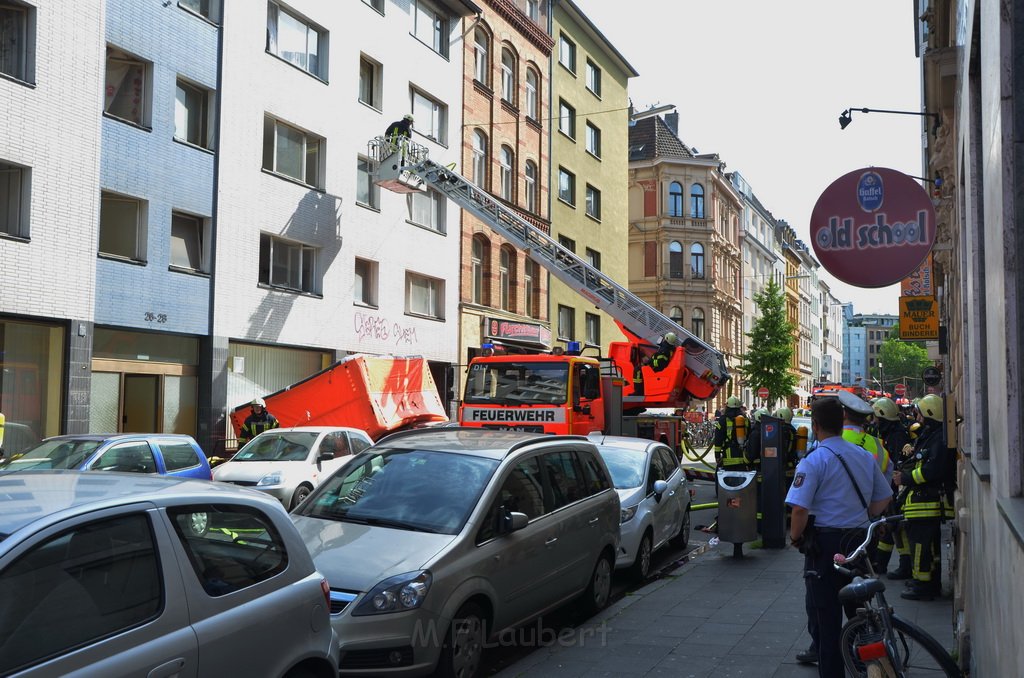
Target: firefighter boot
(904, 569)
(918, 590)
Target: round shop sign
(873, 227)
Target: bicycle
(877, 642)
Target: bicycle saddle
(861, 589)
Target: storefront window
(31, 382)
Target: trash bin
(737, 507)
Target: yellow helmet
(785, 414)
(733, 401)
(931, 407)
(758, 413)
(885, 408)
(671, 338)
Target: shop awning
(801, 393)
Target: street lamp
(881, 374)
(846, 117)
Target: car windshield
(53, 454)
(626, 466)
(525, 383)
(419, 490)
(273, 446)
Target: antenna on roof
(651, 112)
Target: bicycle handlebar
(838, 560)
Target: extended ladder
(406, 167)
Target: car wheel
(301, 492)
(682, 540)
(464, 644)
(642, 564)
(198, 523)
(600, 588)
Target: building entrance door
(141, 403)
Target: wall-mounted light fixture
(846, 117)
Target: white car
(654, 496)
(288, 463)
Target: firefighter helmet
(931, 407)
(758, 413)
(733, 401)
(259, 402)
(671, 338)
(785, 414)
(885, 408)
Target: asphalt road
(664, 562)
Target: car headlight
(395, 594)
(626, 514)
(270, 479)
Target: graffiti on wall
(376, 328)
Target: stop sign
(900, 389)
(762, 393)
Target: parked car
(288, 463)
(155, 453)
(435, 540)
(654, 495)
(104, 576)
(16, 439)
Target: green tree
(902, 362)
(770, 353)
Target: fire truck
(565, 391)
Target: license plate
(515, 427)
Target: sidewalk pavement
(714, 616)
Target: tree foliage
(770, 353)
(902, 362)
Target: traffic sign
(900, 389)
(762, 393)
(931, 376)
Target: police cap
(854, 403)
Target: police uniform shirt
(822, 486)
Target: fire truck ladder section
(406, 167)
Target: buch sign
(919, 318)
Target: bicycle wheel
(919, 654)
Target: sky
(762, 83)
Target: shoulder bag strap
(846, 468)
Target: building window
(122, 227)
(675, 199)
(533, 10)
(566, 322)
(530, 179)
(506, 278)
(480, 158)
(17, 41)
(192, 122)
(188, 242)
(364, 288)
(287, 264)
(531, 94)
(424, 296)
(566, 186)
(675, 259)
(15, 192)
(567, 52)
(594, 258)
(208, 9)
(593, 140)
(593, 329)
(697, 201)
(481, 60)
(593, 202)
(698, 323)
(566, 119)
(291, 152)
(507, 162)
(481, 252)
(296, 41)
(676, 314)
(531, 274)
(431, 117)
(593, 78)
(427, 209)
(567, 242)
(430, 26)
(367, 192)
(508, 76)
(697, 261)
(370, 85)
(127, 88)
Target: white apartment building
(832, 335)
(313, 261)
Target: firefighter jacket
(894, 435)
(255, 425)
(860, 438)
(728, 451)
(925, 476)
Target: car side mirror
(325, 456)
(582, 409)
(660, 488)
(516, 521)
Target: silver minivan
(435, 540)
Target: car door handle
(171, 668)
(549, 542)
(593, 521)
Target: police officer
(925, 479)
(728, 450)
(835, 492)
(256, 423)
(897, 441)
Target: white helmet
(259, 402)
